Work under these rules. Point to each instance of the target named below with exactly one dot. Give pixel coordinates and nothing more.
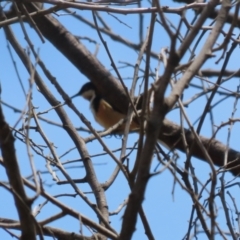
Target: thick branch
(171, 135)
(13, 172)
(68, 45)
(82, 59)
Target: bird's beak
(76, 95)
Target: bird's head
(88, 91)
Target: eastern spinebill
(103, 112)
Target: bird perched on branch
(103, 112)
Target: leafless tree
(169, 88)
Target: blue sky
(168, 212)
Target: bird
(104, 113)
